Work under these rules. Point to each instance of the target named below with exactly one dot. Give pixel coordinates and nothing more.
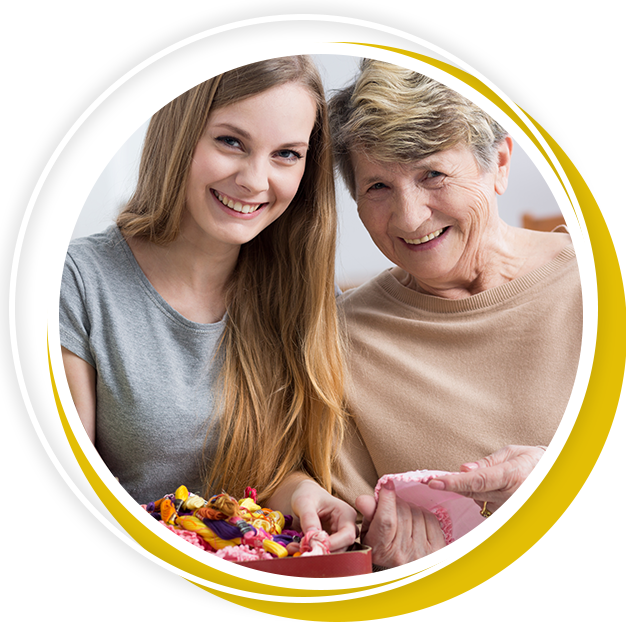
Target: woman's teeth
(426, 238)
(236, 206)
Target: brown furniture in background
(547, 224)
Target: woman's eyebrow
(234, 129)
(370, 180)
(379, 176)
(246, 135)
(296, 144)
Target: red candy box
(259, 538)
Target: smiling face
(247, 166)
(435, 218)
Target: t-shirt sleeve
(74, 323)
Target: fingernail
(389, 485)
(437, 484)
(469, 466)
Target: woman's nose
(411, 210)
(253, 175)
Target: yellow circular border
(526, 526)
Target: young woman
(200, 331)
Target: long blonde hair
(280, 406)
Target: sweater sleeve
(355, 474)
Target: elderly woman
(469, 346)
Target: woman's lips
(427, 241)
(237, 205)
(425, 238)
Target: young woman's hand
(316, 509)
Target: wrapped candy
(315, 542)
(234, 530)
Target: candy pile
(235, 530)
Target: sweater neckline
(490, 297)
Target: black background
(560, 75)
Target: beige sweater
(437, 382)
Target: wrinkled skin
(397, 532)
(494, 478)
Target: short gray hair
(396, 115)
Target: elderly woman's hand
(494, 478)
(396, 531)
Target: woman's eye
(434, 174)
(433, 179)
(377, 186)
(229, 141)
(289, 155)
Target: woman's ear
(503, 157)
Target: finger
(445, 484)
(309, 519)
(382, 520)
(469, 467)
(495, 499)
(343, 529)
(366, 506)
(499, 456)
(487, 461)
(433, 531)
(384, 524)
(343, 538)
(473, 482)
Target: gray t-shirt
(156, 370)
